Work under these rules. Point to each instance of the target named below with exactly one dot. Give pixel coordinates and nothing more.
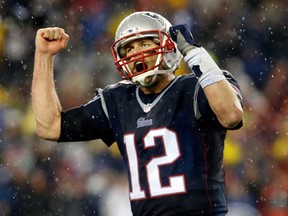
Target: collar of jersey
(155, 101)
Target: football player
(169, 129)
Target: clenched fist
(51, 40)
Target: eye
(146, 44)
(129, 49)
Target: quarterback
(169, 129)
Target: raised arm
(221, 96)
(224, 102)
(45, 102)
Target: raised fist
(51, 40)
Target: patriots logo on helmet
(155, 16)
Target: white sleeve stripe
(196, 107)
(100, 91)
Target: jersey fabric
(171, 143)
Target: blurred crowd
(247, 37)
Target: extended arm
(45, 102)
(221, 96)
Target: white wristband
(211, 73)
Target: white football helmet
(139, 25)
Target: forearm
(45, 102)
(224, 102)
(221, 96)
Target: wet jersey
(171, 143)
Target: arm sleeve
(203, 108)
(85, 123)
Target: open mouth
(140, 66)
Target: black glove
(183, 37)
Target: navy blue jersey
(171, 143)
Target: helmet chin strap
(141, 79)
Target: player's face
(137, 46)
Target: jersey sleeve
(85, 123)
(202, 108)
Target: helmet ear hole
(122, 52)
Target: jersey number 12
(171, 154)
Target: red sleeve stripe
(237, 91)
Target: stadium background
(246, 37)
